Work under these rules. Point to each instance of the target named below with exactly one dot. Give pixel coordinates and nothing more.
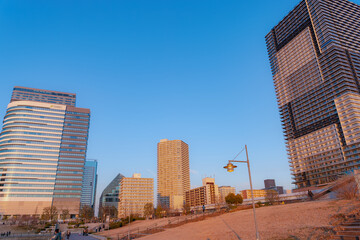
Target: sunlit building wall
(173, 173)
(258, 193)
(135, 193)
(204, 195)
(42, 152)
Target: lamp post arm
(252, 194)
(237, 161)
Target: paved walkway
(75, 236)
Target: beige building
(246, 194)
(135, 192)
(43, 146)
(173, 173)
(224, 191)
(204, 195)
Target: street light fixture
(230, 168)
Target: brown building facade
(204, 195)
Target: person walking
(57, 235)
(68, 234)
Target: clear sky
(195, 70)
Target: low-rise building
(246, 194)
(204, 195)
(135, 192)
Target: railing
(139, 232)
(28, 235)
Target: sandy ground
(274, 223)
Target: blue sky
(195, 70)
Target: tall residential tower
(43, 146)
(315, 61)
(173, 173)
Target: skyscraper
(42, 152)
(173, 173)
(88, 193)
(315, 61)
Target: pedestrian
(68, 233)
(57, 235)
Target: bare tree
(148, 210)
(86, 212)
(49, 213)
(186, 208)
(65, 214)
(272, 196)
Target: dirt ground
(114, 233)
(307, 220)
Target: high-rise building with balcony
(88, 193)
(135, 193)
(315, 61)
(173, 173)
(43, 146)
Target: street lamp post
(230, 168)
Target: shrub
(348, 191)
(47, 225)
(114, 225)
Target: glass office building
(42, 152)
(110, 197)
(314, 55)
(88, 193)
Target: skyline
(125, 76)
